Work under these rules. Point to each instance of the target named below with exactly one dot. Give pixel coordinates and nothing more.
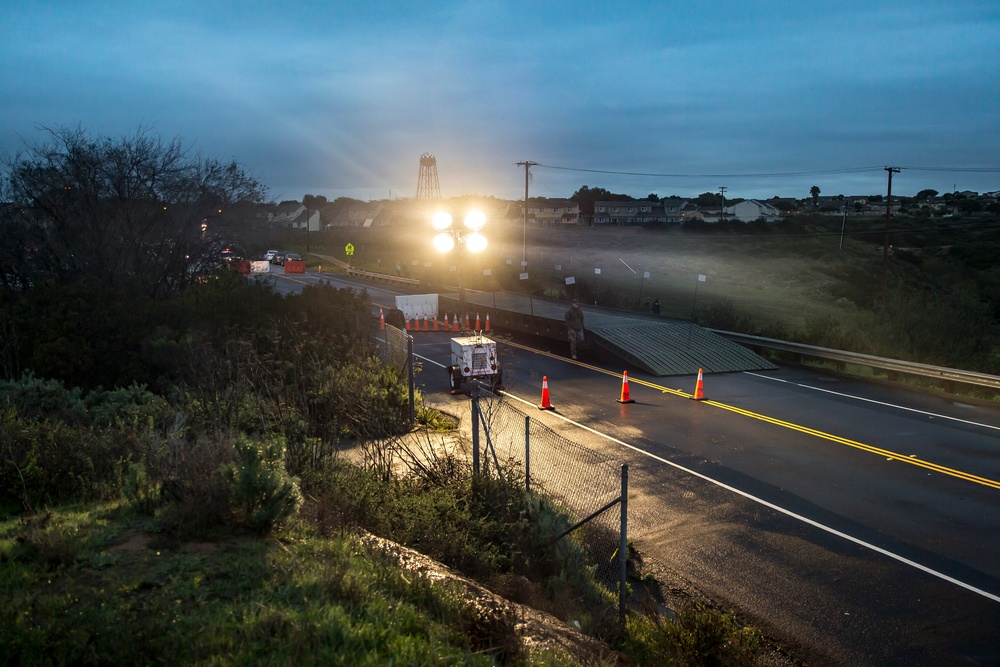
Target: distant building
(639, 212)
(290, 216)
(750, 210)
(412, 213)
(553, 212)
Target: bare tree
(131, 210)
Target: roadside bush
(50, 462)
(142, 492)
(133, 408)
(722, 314)
(42, 399)
(360, 398)
(190, 471)
(486, 527)
(261, 490)
(696, 636)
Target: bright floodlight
(475, 220)
(441, 220)
(475, 242)
(444, 242)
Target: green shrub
(698, 635)
(433, 419)
(141, 491)
(42, 399)
(133, 408)
(359, 398)
(50, 462)
(191, 473)
(261, 490)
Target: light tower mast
(427, 181)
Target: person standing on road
(656, 306)
(574, 326)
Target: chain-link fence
(591, 486)
(394, 348)
(396, 352)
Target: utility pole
(524, 242)
(843, 225)
(722, 211)
(888, 214)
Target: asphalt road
(857, 524)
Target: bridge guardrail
(940, 373)
(384, 277)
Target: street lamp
(471, 239)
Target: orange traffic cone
(699, 388)
(487, 321)
(381, 318)
(625, 396)
(425, 322)
(545, 404)
(320, 267)
(478, 328)
(466, 321)
(447, 324)
(406, 322)
(435, 322)
(455, 324)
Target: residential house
(291, 215)
(360, 214)
(553, 212)
(703, 213)
(750, 210)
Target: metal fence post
(474, 394)
(527, 454)
(623, 547)
(409, 364)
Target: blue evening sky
(341, 98)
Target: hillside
(935, 300)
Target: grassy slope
(96, 586)
(772, 279)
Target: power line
(761, 175)
(816, 234)
(970, 170)
(780, 174)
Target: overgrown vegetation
(171, 476)
(199, 511)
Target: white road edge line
(761, 501)
(871, 400)
(777, 508)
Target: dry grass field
(772, 280)
(794, 282)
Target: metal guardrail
(940, 373)
(384, 277)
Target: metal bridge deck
(659, 346)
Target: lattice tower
(427, 181)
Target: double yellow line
(888, 454)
